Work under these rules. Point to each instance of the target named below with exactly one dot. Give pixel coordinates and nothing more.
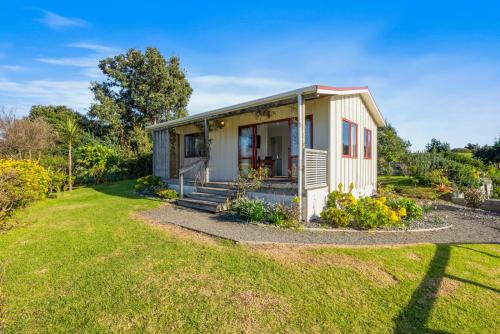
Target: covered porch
(277, 134)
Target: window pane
(194, 145)
(308, 139)
(246, 142)
(345, 138)
(245, 167)
(354, 140)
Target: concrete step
(216, 191)
(202, 205)
(208, 197)
(224, 185)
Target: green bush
(168, 194)
(496, 192)
(58, 181)
(149, 184)
(473, 197)
(369, 213)
(335, 217)
(252, 210)
(413, 211)
(284, 215)
(98, 163)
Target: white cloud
(93, 47)
(12, 68)
(57, 22)
(21, 95)
(89, 61)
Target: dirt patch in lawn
(448, 286)
(177, 231)
(301, 257)
(413, 256)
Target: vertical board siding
(161, 158)
(359, 171)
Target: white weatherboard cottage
(310, 139)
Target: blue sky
(433, 66)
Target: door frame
(253, 157)
(289, 120)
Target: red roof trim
(340, 88)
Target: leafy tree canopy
(437, 146)
(391, 147)
(139, 89)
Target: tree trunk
(70, 176)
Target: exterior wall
(183, 161)
(161, 153)
(359, 171)
(223, 162)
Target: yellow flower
(393, 216)
(402, 212)
(383, 199)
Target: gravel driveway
(469, 226)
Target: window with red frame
(367, 144)
(349, 139)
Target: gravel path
(469, 226)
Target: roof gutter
(314, 89)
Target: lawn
(82, 263)
(404, 186)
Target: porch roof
(289, 97)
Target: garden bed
(428, 223)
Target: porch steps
(213, 199)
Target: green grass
(81, 263)
(404, 186)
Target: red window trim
(350, 155)
(368, 145)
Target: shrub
(276, 214)
(252, 210)
(284, 215)
(149, 184)
(369, 213)
(473, 197)
(496, 192)
(58, 181)
(168, 194)
(412, 210)
(97, 162)
(21, 182)
(335, 217)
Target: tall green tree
(139, 89)
(437, 146)
(391, 147)
(70, 133)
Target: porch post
(207, 151)
(300, 133)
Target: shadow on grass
(478, 251)
(120, 189)
(414, 317)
